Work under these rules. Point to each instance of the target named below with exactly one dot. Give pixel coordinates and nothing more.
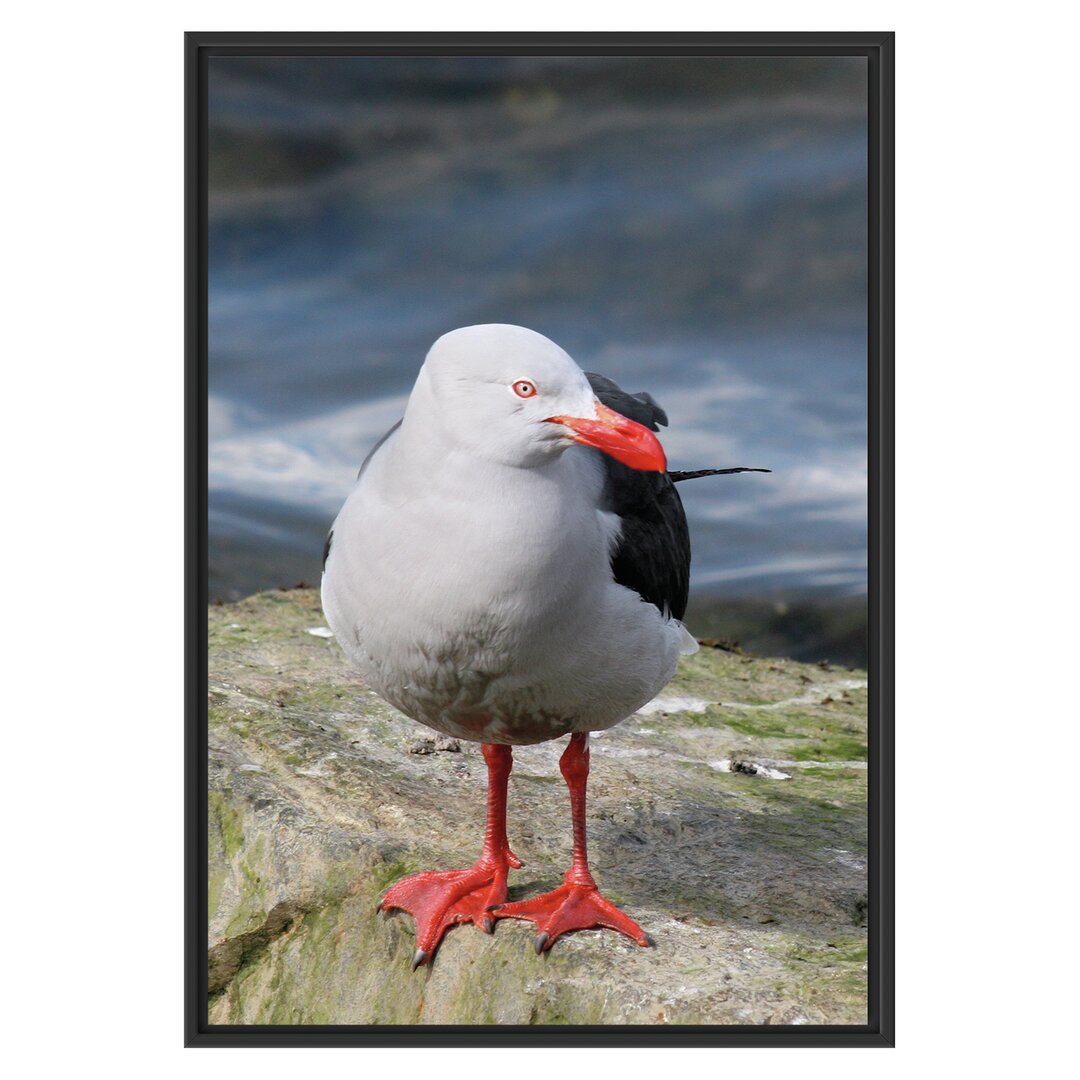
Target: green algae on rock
(753, 888)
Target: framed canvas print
(540, 539)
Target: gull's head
(510, 395)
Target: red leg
(577, 903)
(438, 900)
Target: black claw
(649, 941)
(541, 941)
(489, 926)
(378, 907)
(419, 958)
(493, 907)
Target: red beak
(625, 440)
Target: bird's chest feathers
(524, 552)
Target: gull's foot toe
(571, 907)
(438, 900)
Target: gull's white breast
(479, 599)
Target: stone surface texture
(728, 818)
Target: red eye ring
(525, 388)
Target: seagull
(510, 568)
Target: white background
(92, 449)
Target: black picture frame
(878, 48)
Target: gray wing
(375, 449)
(363, 465)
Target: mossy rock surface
(753, 887)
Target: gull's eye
(525, 388)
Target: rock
(753, 888)
(432, 745)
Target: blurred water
(693, 227)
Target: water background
(691, 227)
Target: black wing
(653, 555)
(678, 477)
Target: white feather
(469, 578)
